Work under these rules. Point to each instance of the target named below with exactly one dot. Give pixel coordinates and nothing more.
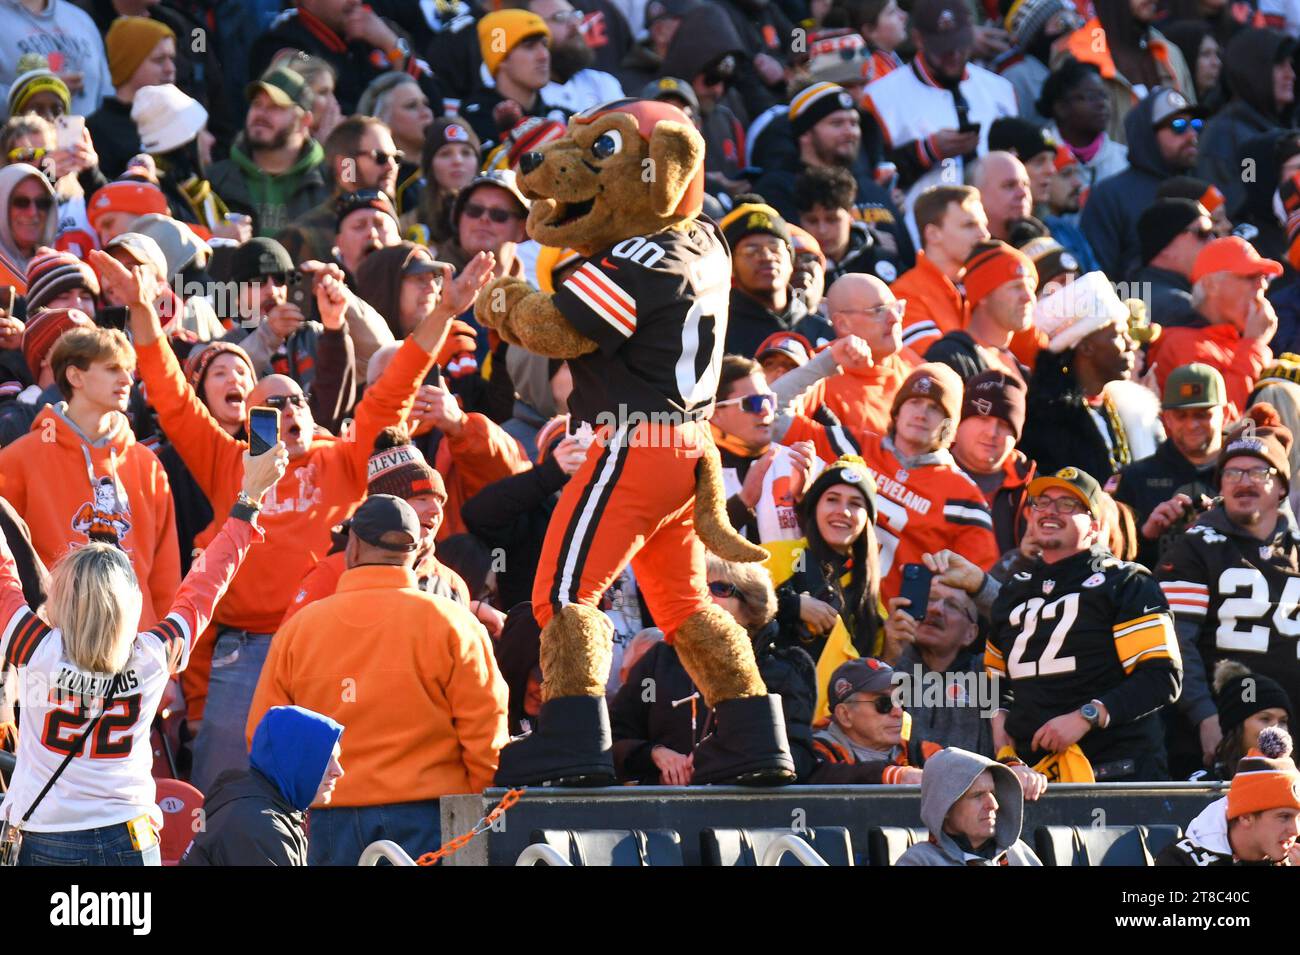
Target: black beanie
(1161, 223)
(995, 394)
(1019, 136)
(1241, 694)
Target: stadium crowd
(1015, 294)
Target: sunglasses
(30, 154)
(285, 401)
(382, 158)
(43, 203)
(884, 705)
(499, 216)
(1201, 235)
(1181, 125)
(718, 79)
(720, 588)
(754, 404)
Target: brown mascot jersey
(657, 304)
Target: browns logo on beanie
(1266, 776)
(991, 265)
(398, 468)
(935, 381)
(44, 329)
(1261, 434)
(995, 394)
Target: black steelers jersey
(1088, 627)
(1242, 595)
(657, 306)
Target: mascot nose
(530, 161)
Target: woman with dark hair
(1247, 703)
(449, 160)
(1203, 54)
(1132, 55)
(654, 737)
(1074, 98)
(830, 603)
(1223, 18)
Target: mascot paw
(496, 303)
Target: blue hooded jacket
(292, 748)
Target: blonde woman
(82, 791)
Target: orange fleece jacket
(46, 477)
(935, 305)
(412, 678)
(480, 455)
(318, 490)
(863, 398)
(1241, 360)
(323, 580)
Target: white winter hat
(1074, 311)
(166, 117)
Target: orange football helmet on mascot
(642, 323)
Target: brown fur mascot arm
(525, 317)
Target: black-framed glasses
(723, 589)
(754, 404)
(1255, 475)
(1182, 124)
(284, 401)
(382, 158)
(500, 216)
(1064, 505)
(884, 705)
(43, 203)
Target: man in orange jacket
(1228, 283)
(79, 475)
(861, 397)
(325, 479)
(413, 676)
(950, 221)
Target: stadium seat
(177, 800)
(614, 847)
(887, 843)
(1102, 845)
(745, 847)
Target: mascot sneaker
(572, 746)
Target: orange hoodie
(863, 398)
(65, 487)
(411, 676)
(1241, 360)
(318, 490)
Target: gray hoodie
(10, 177)
(948, 774)
(67, 37)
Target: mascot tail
(711, 522)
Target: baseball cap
(1232, 254)
(944, 25)
(1168, 103)
(658, 9)
(1025, 139)
(381, 514)
(863, 675)
(1193, 386)
(501, 178)
(791, 344)
(259, 257)
(669, 86)
(143, 249)
(286, 87)
(1079, 483)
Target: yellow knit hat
(129, 42)
(502, 31)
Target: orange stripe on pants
(632, 501)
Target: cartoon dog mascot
(642, 322)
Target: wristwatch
(1091, 712)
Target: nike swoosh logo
(608, 264)
(1150, 609)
